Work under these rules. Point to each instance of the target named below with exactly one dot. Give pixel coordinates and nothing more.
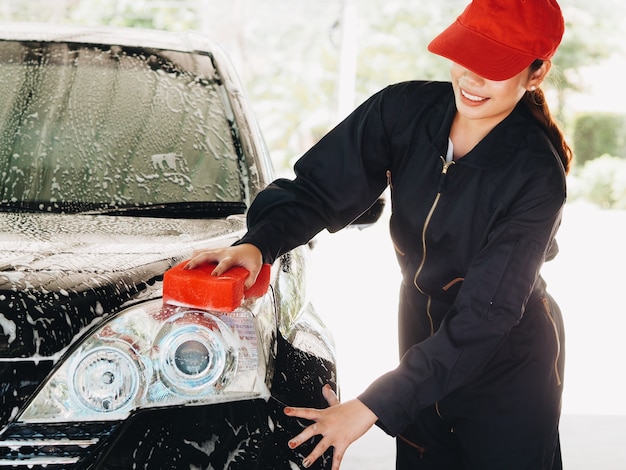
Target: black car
(122, 151)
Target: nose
(472, 78)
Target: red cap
(497, 39)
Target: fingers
(321, 447)
(315, 429)
(223, 265)
(310, 414)
(245, 255)
(308, 433)
(339, 425)
(200, 257)
(318, 451)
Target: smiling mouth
(473, 98)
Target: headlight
(105, 379)
(155, 355)
(196, 354)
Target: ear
(537, 77)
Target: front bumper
(245, 435)
(240, 435)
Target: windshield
(89, 127)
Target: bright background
(306, 64)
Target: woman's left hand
(340, 425)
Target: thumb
(252, 276)
(330, 395)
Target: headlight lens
(105, 379)
(155, 355)
(192, 358)
(196, 353)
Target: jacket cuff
(378, 397)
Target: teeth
(472, 97)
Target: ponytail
(535, 102)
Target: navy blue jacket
(470, 237)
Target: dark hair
(535, 102)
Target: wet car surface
(122, 151)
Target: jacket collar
(501, 144)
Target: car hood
(61, 273)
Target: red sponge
(199, 289)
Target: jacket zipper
(556, 337)
(442, 177)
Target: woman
(477, 175)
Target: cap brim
(481, 55)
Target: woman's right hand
(245, 255)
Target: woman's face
(487, 101)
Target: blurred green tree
(596, 134)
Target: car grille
(50, 446)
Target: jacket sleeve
(336, 180)
(489, 304)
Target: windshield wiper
(187, 210)
(18, 207)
